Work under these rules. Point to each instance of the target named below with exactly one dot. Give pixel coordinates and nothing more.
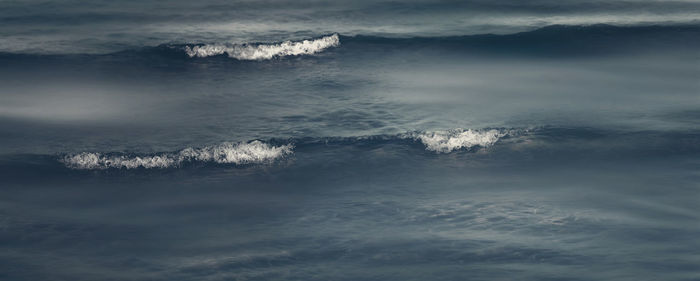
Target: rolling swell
(579, 141)
(550, 40)
(576, 142)
(556, 40)
(258, 152)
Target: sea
(560, 152)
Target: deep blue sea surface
(559, 153)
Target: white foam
(448, 141)
(254, 152)
(236, 153)
(265, 51)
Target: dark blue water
(563, 153)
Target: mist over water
(349, 141)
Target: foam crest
(265, 51)
(448, 141)
(255, 152)
(236, 153)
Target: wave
(451, 140)
(255, 152)
(264, 51)
(545, 41)
(258, 152)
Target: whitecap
(450, 140)
(255, 152)
(264, 51)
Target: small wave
(451, 140)
(258, 152)
(255, 152)
(264, 51)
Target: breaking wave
(264, 51)
(450, 140)
(255, 152)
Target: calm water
(562, 153)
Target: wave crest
(450, 140)
(265, 51)
(258, 152)
(255, 152)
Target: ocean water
(557, 153)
